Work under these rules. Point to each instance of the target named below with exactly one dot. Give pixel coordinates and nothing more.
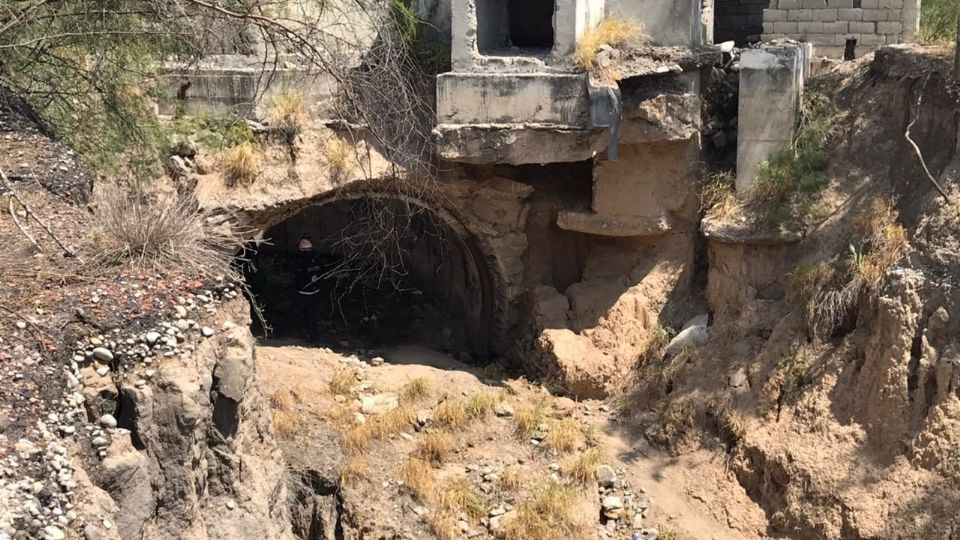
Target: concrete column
(771, 86)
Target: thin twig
(30, 213)
(916, 148)
(16, 221)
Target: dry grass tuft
(281, 399)
(434, 446)
(511, 479)
(418, 476)
(285, 422)
(451, 414)
(481, 404)
(582, 468)
(378, 427)
(416, 389)
(548, 514)
(444, 525)
(884, 245)
(615, 32)
(564, 435)
(147, 231)
(336, 155)
(528, 418)
(459, 495)
(354, 471)
(286, 114)
(342, 382)
(718, 195)
(241, 164)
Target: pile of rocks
(622, 508)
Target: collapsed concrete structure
(574, 204)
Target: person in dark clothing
(307, 281)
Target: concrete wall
(481, 98)
(673, 22)
(829, 24)
(739, 20)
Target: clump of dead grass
(582, 468)
(336, 156)
(281, 399)
(286, 114)
(528, 418)
(549, 513)
(511, 478)
(718, 194)
(354, 471)
(459, 495)
(285, 422)
(451, 414)
(149, 231)
(418, 476)
(444, 525)
(378, 427)
(481, 404)
(434, 446)
(564, 435)
(342, 382)
(829, 289)
(241, 164)
(415, 390)
(613, 31)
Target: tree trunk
(956, 54)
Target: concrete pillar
(771, 86)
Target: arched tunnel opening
(373, 273)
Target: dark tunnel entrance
(382, 273)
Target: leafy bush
(938, 21)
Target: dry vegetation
(582, 468)
(718, 194)
(241, 164)
(158, 231)
(828, 290)
(286, 114)
(378, 427)
(354, 471)
(418, 476)
(564, 435)
(451, 414)
(342, 382)
(548, 513)
(434, 446)
(613, 31)
(415, 390)
(528, 418)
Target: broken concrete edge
(619, 226)
(748, 232)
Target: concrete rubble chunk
(379, 403)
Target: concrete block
(830, 52)
(875, 14)
(814, 4)
(891, 4)
(771, 80)
(871, 40)
(853, 14)
(840, 3)
(821, 39)
(785, 27)
(768, 28)
(825, 15)
(862, 28)
(839, 27)
(790, 4)
(894, 14)
(774, 15)
(870, 4)
(481, 98)
(800, 15)
(774, 36)
(889, 27)
(810, 27)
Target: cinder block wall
(829, 24)
(739, 20)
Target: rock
(503, 409)
(377, 361)
(206, 331)
(693, 334)
(606, 477)
(182, 325)
(738, 378)
(103, 370)
(102, 354)
(379, 403)
(564, 406)
(53, 533)
(99, 442)
(359, 419)
(108, 421)
(231, 504)
(180, 311)
(612, 507)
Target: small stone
(53, 533)
(606, 476)
(379, 403)
(21, 325)
(99, 442)
(103, 371)
(108, 421)
(180, 311)
(231, 504)
(359, 418)
(102, 354)
(206, 331)
(612, 507)
(153, 338)
(738, 378)
(376, 361)
(503, 409)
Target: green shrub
(938, 21)
(789, 180)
